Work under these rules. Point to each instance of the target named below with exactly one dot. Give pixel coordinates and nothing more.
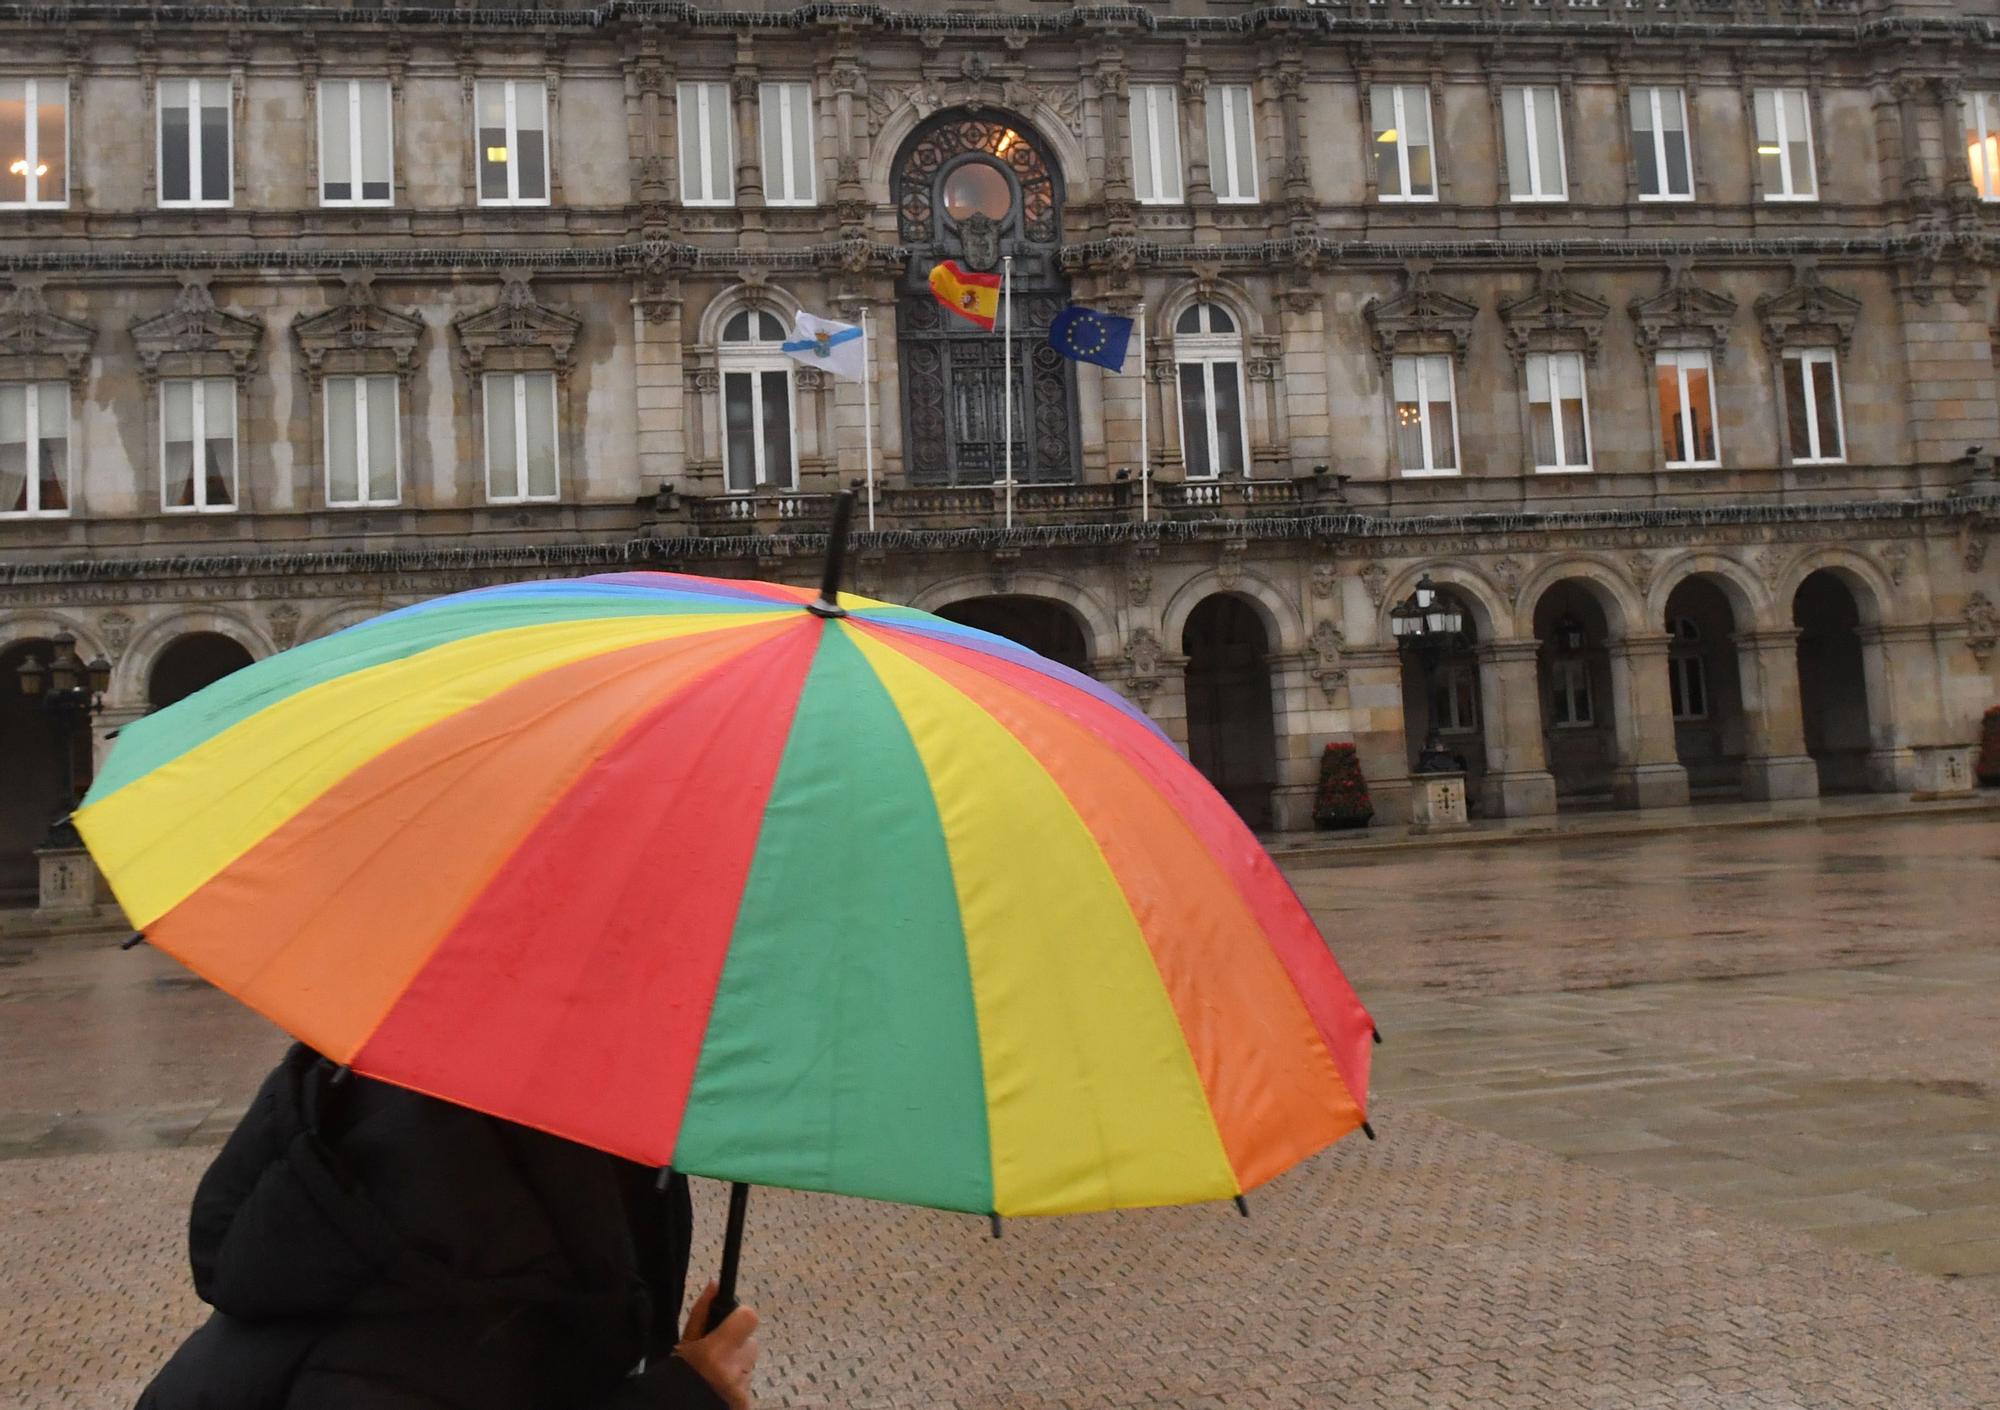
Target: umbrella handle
(732, 1249)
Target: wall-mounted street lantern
(1569, 634)
(72, 694)
(1427, 624)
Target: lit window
(1232, 143)
(1558, 415)
(513, 142)
(758, 450)
(194, 142)
(1403, 166)
(198, 445)
(1156, 143)
(34, 142)
(1208, 358)
(1812, 406)
(1686, 387)
(355, 161)
(1572, 707)
(363, 460)
(786, 122)
(1426, 417)
(521, 458)
(1982, 143)
(1533, 119)
(1660, 147)
(708, 175)
(1687, 677)
(34, 448)
(1784, 145)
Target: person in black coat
(370, 1248)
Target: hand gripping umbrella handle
(732, 1249)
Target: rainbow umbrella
(812, 892)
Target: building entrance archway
(1038, 623)
(1833, 682)
(1704, 687)
(1448, 696)
(1579, 718)
(1232, 736)
(191, 662)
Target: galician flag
(974, 297)
(833, 347)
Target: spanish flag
(971, 296)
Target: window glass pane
(219, 440)
(1770, 151)
(1826, 403)
(1228, 419)
(214, 143)
(777, 428)
(51, 143)
(1667, 383)
(1541, 411)
(1548, 142)
(1673, 125)
(1569, 402)
(342, 476)
(1701, 406)
(1221, 159)
(1798, 412)
(1697, 688)
(770, 129)
(1409, 416)
(802, 187)
(13, 448)
(1798, 140)
(1388, 140)
(1514, 118)
(493, 153)
(531, 148)
(1645, 154)
(1195, 449)
(739, 429)
(175, 154)
(1437, 394)
(540, 391)
(375, 165)
(1417, 115)
(13, 143)
(336, 173)
(382, 439)
(177, 452)
(719, 133)
(1982, 144)
(503, 480)
(1143, 185)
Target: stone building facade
(1659, 333)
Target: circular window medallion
(977, 189)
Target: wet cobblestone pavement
(1696, 1120)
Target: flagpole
(1145, 449)
(1007, 375)
(868, 412)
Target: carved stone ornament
(1229, 564)
(1508, 573)
(1006, 562)
(1374, 578)
(1769, 561)
(1808, 314)
(195, 338)
(1975, 552)
(37, 344)
(358, 335)
(1982, 627)
(115, 630)
(1682, 315)
(1142, 658)
(1554, 318)
(1420, 319)
(1327, 644)
(283, 621)
(1323, 575)
(1896, 559)
(1139, 577)
(517, 334)
(1640, 565)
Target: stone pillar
(1649, 772)
(1381, 743)
(1899, 666)
(1295, 694)
(1775, 762)
(1518, 783)
(659, 387)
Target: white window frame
(352, 89)
(1791, 189)
(1399, 107)
(699, 104)
(192, 90)
(31, 452)
(510, 88)
(1684, 667)
(1163, 183)
(1809, 358)
(1686, 411)
(1529, 186)
(31, 156)
(1234, 183)
(1425, 362)
(754, 359)
(520, 430)
(198, 432)
(1206, 351)
(1569, 680)
(1659, 135)
(362, 479)
(797, 168)
(1563, 464)
(1982, 125)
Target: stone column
(1518, 782)
(1775, 762)
(1649, 772)
(659, 385)
(1899, 667)
(1295, 696)
(1381, 741)
(1194, 137)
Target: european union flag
(1086, 335)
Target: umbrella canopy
(874, 904)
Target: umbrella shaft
(732, 1249)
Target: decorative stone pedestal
(1943, 771)
(1437, 802)
(71, 885)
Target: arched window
(1208, 357)
(1687, 676)
(758, 449)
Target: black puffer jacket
(368, 1248)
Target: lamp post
(1426, 624)
(71, 694)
